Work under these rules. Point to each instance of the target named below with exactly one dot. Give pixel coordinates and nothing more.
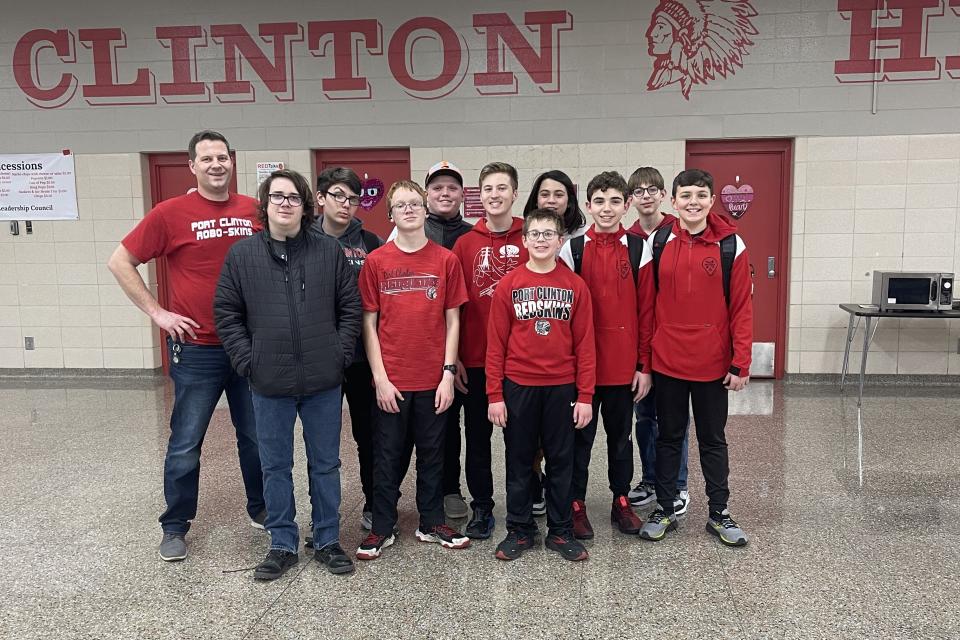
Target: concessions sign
(38, 187)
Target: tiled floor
(855, 524)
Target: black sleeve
(230, 316)
(349, 309)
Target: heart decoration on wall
(372, 193)
(736, 200)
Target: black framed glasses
(340, 197)
(403, 206)
(547, 235)
(650, 191)
(294, 200)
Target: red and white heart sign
(371, 194)
(736, 200)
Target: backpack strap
(635, 253)
(659, 240)
(728, 252)
(576, 248)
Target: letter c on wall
(26, 67)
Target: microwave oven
(912, 291)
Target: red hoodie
(541, 333)
(485, 256)
(637, 230)
(605, 268)
(692, 333)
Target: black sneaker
(515, 544)
(481, 525)
(372, 546)
(258, 520)
(334, 558)
(567, 546)
(275, 564)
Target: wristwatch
(452, 368)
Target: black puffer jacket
(290, 325)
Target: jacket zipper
(294, 326)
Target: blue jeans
(201, 373)
(276, 417)
(646, 411)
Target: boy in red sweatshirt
(491, 250)
(541, 370)
(698, 341)
(603, 259)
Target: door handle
(771, 267)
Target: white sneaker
(681, 503)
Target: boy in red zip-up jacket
(491, 250)
(698, 344)
(541, 370)
(605, 267)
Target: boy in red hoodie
(541, 370)
(602, 257)
(491, 250)
(698, 341)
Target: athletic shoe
(275, 564)
(334, 558)
(515, 544)
(366, 520)
(455, 506)
(724, 527)
(172, 547)
(540, 507)
(681, 503)
(642, 494)
(582, 529)
(373, 545)
(258, 520)
(657, 525)
(481, 525)
(567, 546)
(446, 537)
(622, 515)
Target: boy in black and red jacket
(698, 341)
(602, 257)
(541, 370)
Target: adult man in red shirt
(194, 232)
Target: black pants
(709, 401)
(535, 415)
(616, 404)
(361, 399)
(478, 432)
(451, 448)
(391, 455)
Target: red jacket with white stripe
(637, 230)
(691, 332)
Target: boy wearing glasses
(338, 196)
(647, 192)
(608, 261)
(493, 249)
(541, 370)
(412, 289)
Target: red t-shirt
(411, 292)
(194, 234)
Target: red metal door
(170, 176)
(753, 183)
(378, 169)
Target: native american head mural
(693, 41)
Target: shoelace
(657, 516)
(445, 530)
(372, 540)
(727, 523)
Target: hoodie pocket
(689, 346)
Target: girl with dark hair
(554, 190)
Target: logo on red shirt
(709, 265)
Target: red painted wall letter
(184, 87)
(952, 63)
(907, 35)
(239, 45)
(345, 36)
(26, 67)
(502, 33)
(107, 88)
(400, 55)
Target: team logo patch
(709, 265)
(542, 327)
(431, 293)
(624, 269)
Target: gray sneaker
(455, 506)
(681, 502)
(366, 520)
(657, 525)
(172, 547)
(724, 527)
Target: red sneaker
(622, 515)
(582, 529)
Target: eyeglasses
(294, 200)
(650, 191)
(403, 206)
(547, 235)
(339, 197)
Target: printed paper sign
(264, 169)
(38, 187)
(472, 207)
